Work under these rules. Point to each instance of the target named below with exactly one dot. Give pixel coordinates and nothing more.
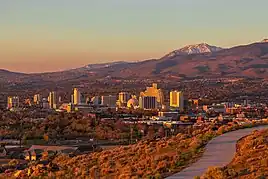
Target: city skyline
(52, 36)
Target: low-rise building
(172, 115)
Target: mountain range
(195, 49)
(200, 60)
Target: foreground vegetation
(250, 161)
(146, 159)
(63, 126)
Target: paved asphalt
(219, 152)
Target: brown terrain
(247, 61)
(244, 61)
(250, 161)
(146, 159)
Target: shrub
(214, 173)
(244, 172)
(13, 162)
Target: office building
(69, 107)
(109, 101)
(52, 99)
(154, 91)
(177, 100)
(37, 99)
(45, 103)
(123, 98)
(76, 96)
(72, 99)
(88, 100)
(60, 99)
(148, 102)
(172, 115)
(218, 108)
(96, 100)
(246, 103)
(13, 102)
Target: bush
(13, 162)
(244, 172)
(214, 173)
(180, 163)
(261, 177)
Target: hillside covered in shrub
(150, 158)
(250, 161)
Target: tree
(20, 116)
(161, 131)
(151, 132)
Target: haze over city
(39, 36)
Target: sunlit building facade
(37, 99)
(133, 103)
(13, 102)
(154, 91)
(123, 98)
(109, 101)
(52, 99)
(148, 102)
(45, 103)
(69, 107)
(76, 96)
(96, 100)
(177, 100)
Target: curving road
(219, 152)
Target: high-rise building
(45, 103)
(76, 96)
(52, 100)
(96, 100)
(154, 91)
(60, 99)
(13, 102)
(148, 102)
(72, 99)
(123, 98)
(88, 100)
(109, 101)
(177, 99)
(37, 99)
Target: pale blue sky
(47, 35)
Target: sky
(52, 35)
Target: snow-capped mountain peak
(195, 49)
